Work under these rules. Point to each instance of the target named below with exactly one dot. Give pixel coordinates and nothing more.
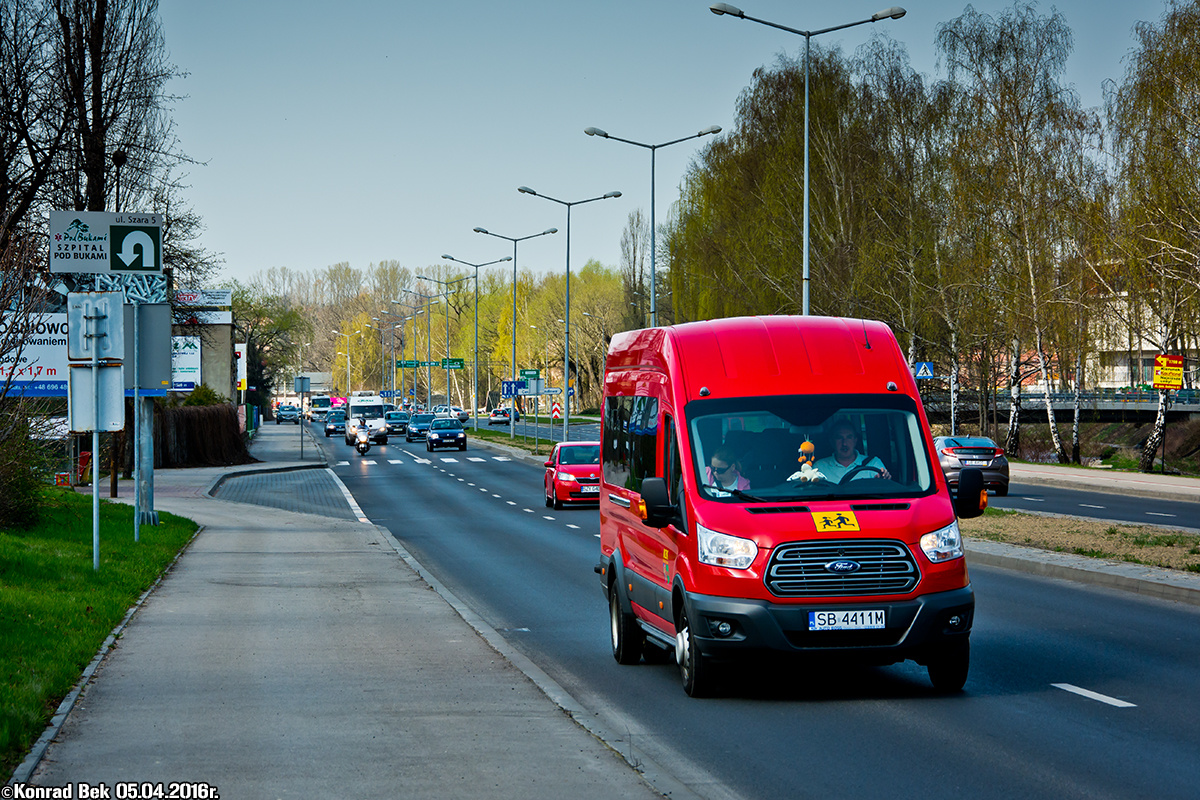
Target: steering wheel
(860, 468)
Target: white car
(454, 412)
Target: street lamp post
(475, 393)
(339, 333)
(652, 148)
(428, 347)
(447, 284)
(402, 321)
(720, 9)
(567, 339)
(511, 427)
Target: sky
(371, 130)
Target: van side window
(671, 459)
(630, 445)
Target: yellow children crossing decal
(835, 520)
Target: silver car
(956, 452)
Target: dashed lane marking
(1159, 514)
(1103, 698)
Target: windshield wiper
(738, 493)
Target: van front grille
(801, 569)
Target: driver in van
(724, 471)
(846, 456)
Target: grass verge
(56, 611)
(1136, 544)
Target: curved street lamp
(712, 129)
(475, 394)
(722, 9)
(486, 232)
(567, 340)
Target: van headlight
(723, 550)
(944, 544)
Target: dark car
(445, 432)
(573, 474)
(956, 452)
(397, 421)
(287, 414)
(335, 422)
(500, 416)
(418, 426)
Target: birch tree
(1010, 68)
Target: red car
(573, 474)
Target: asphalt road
(1074, 691)
(1099, 505)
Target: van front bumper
(911, 626)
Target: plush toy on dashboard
(808, 470)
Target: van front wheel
(626, 635)
(697, 672)
(948, 666)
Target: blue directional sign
(511, 388)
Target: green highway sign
(531, 374)
(452, 363)
(408, 364)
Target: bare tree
(33, 117)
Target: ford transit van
(769, 486)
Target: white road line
(1035, 499)
(510, 502)
(1089, 505)
(498, 497)
(449, 460)
(549, 518)
(1159, 514)
(501, 458)
(395, 461)
(423, 461)
(475, 458)
(1103, 698)
(528, 510)
(349, 497)
(572, 527)
(342, 464)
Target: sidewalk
(295, 655)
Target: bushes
(21, 474)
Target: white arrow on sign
(134, 244)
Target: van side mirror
(658, 511)
(971, 499)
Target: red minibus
(769, 486)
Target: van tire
(948, 666)
(626, 635)
(697, 672)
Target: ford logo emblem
(843, 567)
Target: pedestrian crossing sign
(923, 369)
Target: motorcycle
(362, 441)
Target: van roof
(735, 356)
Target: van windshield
(808, 447)
(365, 411)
